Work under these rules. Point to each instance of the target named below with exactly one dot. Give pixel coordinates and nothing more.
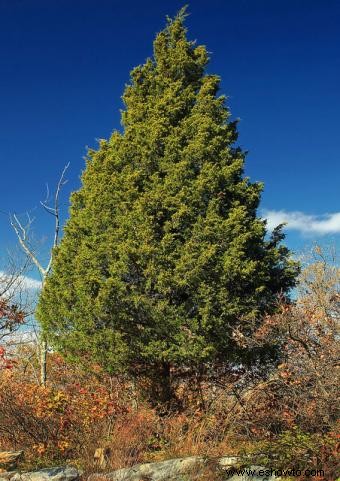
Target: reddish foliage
(10, 318)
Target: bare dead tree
(23, 234)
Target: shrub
(57, 422)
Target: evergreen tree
(163, 253)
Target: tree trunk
(165, 387)
(163, 396)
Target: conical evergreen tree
(163, 253)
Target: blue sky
(64, 64)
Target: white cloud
(28, 336)
(306, 224)
(30, 283)
(25, 282)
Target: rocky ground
(194, 468)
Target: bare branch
(47, 194)
(61, 183)
(21, 233)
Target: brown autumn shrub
(61, 421)
(293, 413)
(133, 437)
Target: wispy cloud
(27, 336)
(24, 282)
(30, 283)
(306, 224)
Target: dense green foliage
(163, 253)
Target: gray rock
(66, 473)
(184, 469)
(169, 470)
(6, 476)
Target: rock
(9, 459)
(191, 468)
(7, 475)
(169, 470)
(66, 473)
